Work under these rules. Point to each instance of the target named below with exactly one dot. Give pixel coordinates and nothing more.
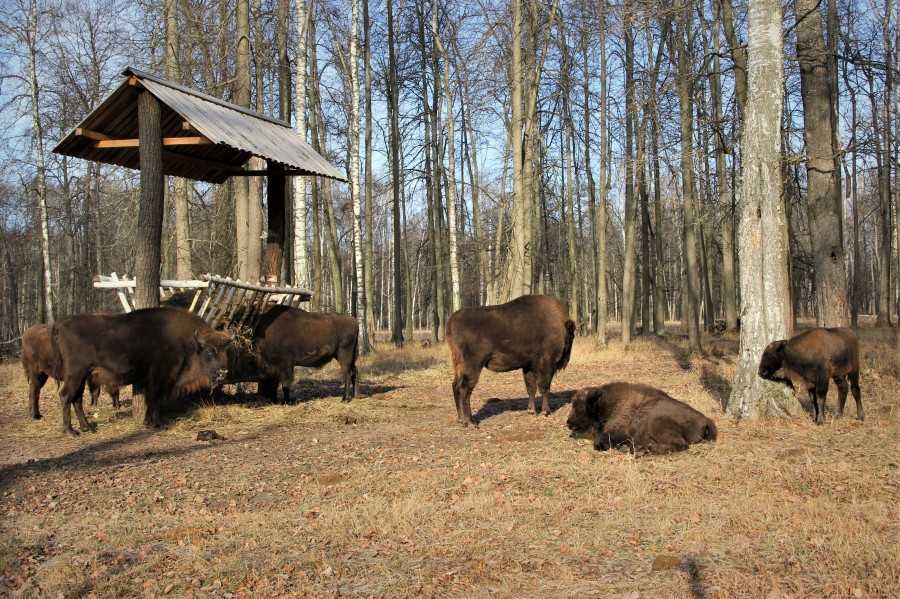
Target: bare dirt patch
(387, 496)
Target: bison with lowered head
(812, 358)
(40, 363)
(637, 416)
(286, 337)
(532, 333)
(165, 352)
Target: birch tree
(762, 233)
(353, 130)
(301, 267)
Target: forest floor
(388, 496)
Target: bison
(286, 337)
(812, 358)
(532, 333)
(165, 352)
(40, 363)
(638, 416)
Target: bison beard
(165, 352)
(532, 333)
(639, 417)
(810, 360)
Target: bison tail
(567, 348)
(710, 432)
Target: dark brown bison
(812, 358)
(40, 363)
(163, 352)
(532, 333)
(639, 417)
(286, 337)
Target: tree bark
(369, 211)
(299, 245)
(519, 279)
(762, 237)
(600, 231)
(353, 131)
(629, 259)
(242, 98)
(822, 185)
(150, 213)
(396, 182)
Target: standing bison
(286, 337)
(165, 352)
(637, 416)
(532, 333)
(812, 358)
(40, 363)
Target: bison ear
(198, 340)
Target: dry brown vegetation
(387, 496)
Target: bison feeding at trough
(286, 337)
(164, 352)
(812, 358)
(637, 416)
(532, 333)
(40, 363)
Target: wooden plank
(263, 288)
(90, 134)
(194, 140)
(123, 299)
(197, 295)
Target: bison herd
(167, 353)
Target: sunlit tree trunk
(600, 231)
(628, 276)
(242, 98)
(299, 246)
(762, 236)
(354, 180)
(396, 183)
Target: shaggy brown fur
(809, 360)
(532, 333)
(40, 363)
(287, 337)
(639, 417)
(162, 352)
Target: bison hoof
(71, 432)
(90, 428)
(36, 416)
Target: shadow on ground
(495, 407)
(301, 391)
(715, 384)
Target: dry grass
(387, 496)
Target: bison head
(772, 360)
(212, 355)
(583, 417)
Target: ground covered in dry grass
(387, 496)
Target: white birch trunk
(300, 266)
(38, 147)
(354, 178)
(455, 296)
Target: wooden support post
(275, 237)
(150, 211)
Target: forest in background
(626, 118)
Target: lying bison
(286, 337)
(639, 417)
(40, 363)
(812, 358)
(165, 352)
(532, 333)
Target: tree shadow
(715, 384)
(495, 407)
(301, 391)
(692, 568)
(682, 355)
(95, 455)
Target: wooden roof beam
(166, 141)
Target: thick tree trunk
(150, 213)
(762, 238)
(822, 182)
(353, 131)
(600, 231)
(242, 98)
(519, 276)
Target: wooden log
(166, 141)
(150, 212)
(274, 253)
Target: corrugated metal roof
(236, 134)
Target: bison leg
(857, 396)
(94, 388)
(544, 379)
(114, 394)
(604, 440)
(463, 384)
(268, 388)
(821, 392)
(35, 384)
(72, 386)
(842, 386)
(83, 422)
(531, 387)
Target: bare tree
(762, 235)
(300, 266)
